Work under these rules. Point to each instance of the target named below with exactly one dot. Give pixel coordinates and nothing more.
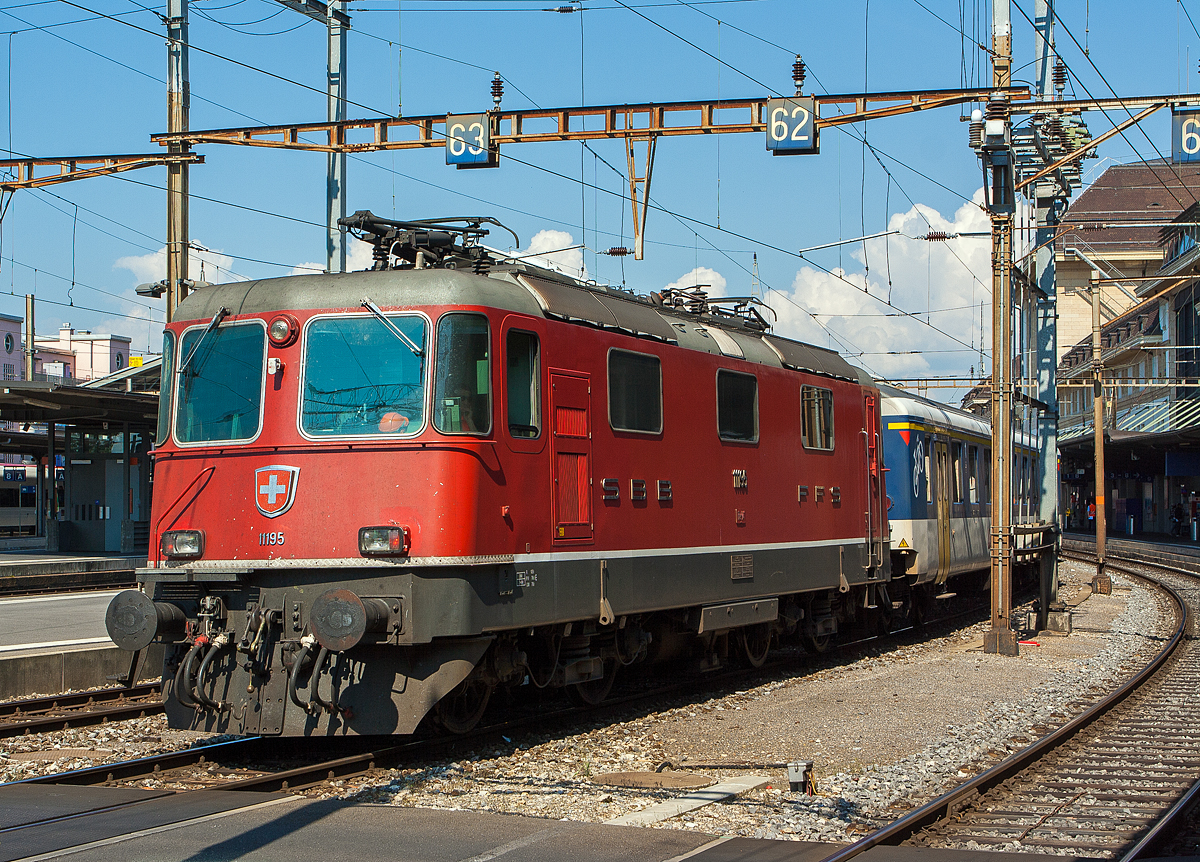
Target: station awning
(82, 407)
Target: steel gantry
(640, 125)
(33, 173)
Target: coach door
(942, 484)
(875, 510)
(571, 456)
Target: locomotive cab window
(523, 377)
(220, 383)
(816, 417)
(634, 392)
(737, 406)
(360, 379)
(462, 395)
(167, 373)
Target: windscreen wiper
(392, 328)
(221, 314)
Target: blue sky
(78, 83)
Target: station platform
(97, 823)
(44, 570)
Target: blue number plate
(468, 139)
(791, 126)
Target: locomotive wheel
(460, 710)
(596, 691)
(755, 643)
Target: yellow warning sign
(903, 543)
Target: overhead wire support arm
(631, 121)
(317, 11)
(1091, 144)
(28, 176)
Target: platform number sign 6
(468, 140)
(1185, 136)
(790, 126)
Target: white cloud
(711, 281)
(210, 266)
(944, 282)
(552, 249)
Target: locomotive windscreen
(360, 379)
(220, 390)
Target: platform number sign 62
(790, 126)
(1185, 135)
(468, 140)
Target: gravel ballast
(886, 732)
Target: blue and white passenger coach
(939, 488)
(938, 485)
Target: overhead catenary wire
(534, 166)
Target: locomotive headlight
(383, 541)
(283, 330)
(182, 543)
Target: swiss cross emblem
(275, 489)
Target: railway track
(62, 711)
(1106, 785)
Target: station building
(1146, 280)
(75, 441)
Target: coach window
(956, 475)
(737, 406)
(166, 372)
(634, 392)
(816, 417)
(972, 474)
(986, 476)
(361, 379)
(462, 395)
(220, 391)
(524, 395)
(928, 473)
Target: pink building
(81, 355)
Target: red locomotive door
(571, 455)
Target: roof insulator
(497, 90)
(798, 74)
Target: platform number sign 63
(1185, 135)
(468, 139)
(791, 126)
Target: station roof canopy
(80, 406)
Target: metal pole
(335, 199)
(1050, 205)
(178, 102)
(1101, 580)
(1001, 639)
(30, 336)
(51, 504)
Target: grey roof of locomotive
(522, 289)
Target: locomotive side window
(737, 406)
(634, 392)
(816, 417)
(462, 395)
(167, 371)
(220, 390)
(524, 374)
(360, 379)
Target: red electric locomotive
(386, 493)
